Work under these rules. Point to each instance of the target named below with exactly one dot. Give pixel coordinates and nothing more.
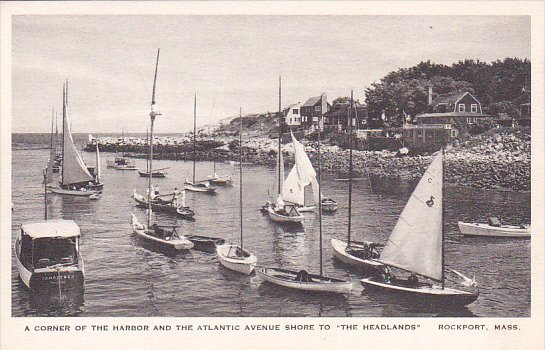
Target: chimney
(430, 95)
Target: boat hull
(221, 181)
(205, 243)
(484, 230)
(112, 164)
(184, 212)
(425, 293)
(295, 219)
(154, 175)
(287, 278)
(75, 193)
(245, 265)
(176, 245)
(202, 189)
(329, 206)
(340, 253)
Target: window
(461, 107)
(317, 108)
(295, 111)
(474, 108)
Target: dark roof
(342, 111)
(452, 114)
(311, 101)
(448, 98)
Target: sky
(229, 62)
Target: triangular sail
(415, 244)
(305, 170)
(292, 191)
(74, 169)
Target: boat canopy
(416, 243)
(51, 228)
(74, 169)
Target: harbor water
(125, 278)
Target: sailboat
(48, 252)
(75, 179)
(203, 185)
(157, 173)
(302, 280)
(98, 175)
(416, 245)
(281, 211)
(231, 256)
(354, 253)
(164, 237)
(301, 175)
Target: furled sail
(292, 191)
(98, 164)
(415, 244)
(73, 168)
(279, 165)
(49, 170)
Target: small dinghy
(162, 236)
(284, 214)
(494, 229)
(231, 256)
(358, 254)
(205, 243)
(302, 280)
(162, 203)
(185, 212)
(416, 245)
(329, 205)
(157, 173)
(121, 163)
(221, 180)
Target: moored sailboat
(302, 280)
(354, 253)
(202, 185)
(232, 256)
(416, 245)
(280, 211)
(162, 236)
(75, 179)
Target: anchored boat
(494, 229)
(355, 253)
(416, 245)
(232, 256)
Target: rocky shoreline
(498, 160)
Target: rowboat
(416, 245)
(289, 214)
(203, 186)
(121, 163)
(165, 206)
(205, 243)
(329, 205)
(302, 280)
(487, 230)
(224, 180)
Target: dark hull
(154, 175)
(204, 243)
(47, 283)
(447, 300)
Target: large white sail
(415, 244)
(292, 191)
(305, 170)
(73, 167)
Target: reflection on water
(123, 277)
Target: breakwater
(499, 160)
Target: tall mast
(152, 115)
(240, 176)
(45, 195)
(52, 119)
(64, 93)
(442, 218)
(147, 144)
(320, 196)
(350, 166)
(194, 133)
(279, 133)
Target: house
(292, 115)
(311, 110)
(337, 118)
(524, 102)
(450, 117)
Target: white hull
(283, 218)
(287, 278)
(59, 190)
(485, 230)
(112, 164)
(227, 259)
(431, 293)
(195, 188)
(306, 209)
(339, 249)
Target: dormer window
(461, 107)
(317, 108)
(295, 111)
(474, 108)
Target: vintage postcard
(272, 174)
